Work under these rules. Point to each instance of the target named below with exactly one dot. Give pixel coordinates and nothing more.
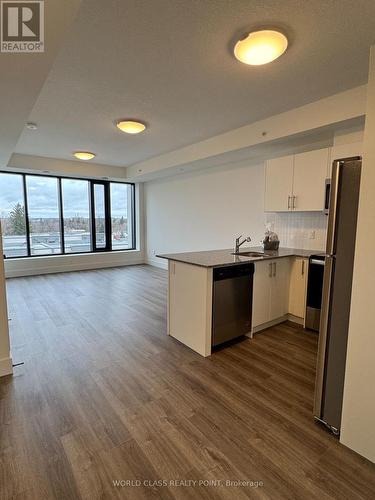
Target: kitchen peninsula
(278, 290)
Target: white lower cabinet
(279, 288)
(261, 292)
(270, 290)
(190, 305)
(298, 287)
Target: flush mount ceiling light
(261, 47)
(130, 126)
(84, 155)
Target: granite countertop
(221, 258)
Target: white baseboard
(16, 268)
(162, 264)
(296, 319)
(287, 317)
(6, 366)
(274, 322)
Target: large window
(121, 210)
(46, 215)
(76, 214)
(12, 215)
(100, 216)
(43, 214)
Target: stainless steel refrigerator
(337, 289)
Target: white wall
(347, 105)
(5, 356)
(73, 168)
(348, 136)
(358, 419)
(64, 263)
(204, 210)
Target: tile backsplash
(304, 230)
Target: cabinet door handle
(294, 202)
(274, 268)
(270, 270)
(303, 268)
(289, 202)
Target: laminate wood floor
(105, 395)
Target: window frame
(28, 233)
(108, 216)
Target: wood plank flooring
(105, 395)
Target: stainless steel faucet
(240, 243)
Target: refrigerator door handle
(323, 335)
(332, 215)
(317, 262)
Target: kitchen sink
(249, 254)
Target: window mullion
(27, 220)
(61, 217)
(108, 219)
(92, 216)
(133, 218)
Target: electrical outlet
(312, 235)
(154, 252)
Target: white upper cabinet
(310, 173)
(279, 184)
(296, 182)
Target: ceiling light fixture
(261, 47)
(84, 155)
(130, 126)
(31, 126)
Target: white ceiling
(23, 75)
(169, 63)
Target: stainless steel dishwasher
(231, 302)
